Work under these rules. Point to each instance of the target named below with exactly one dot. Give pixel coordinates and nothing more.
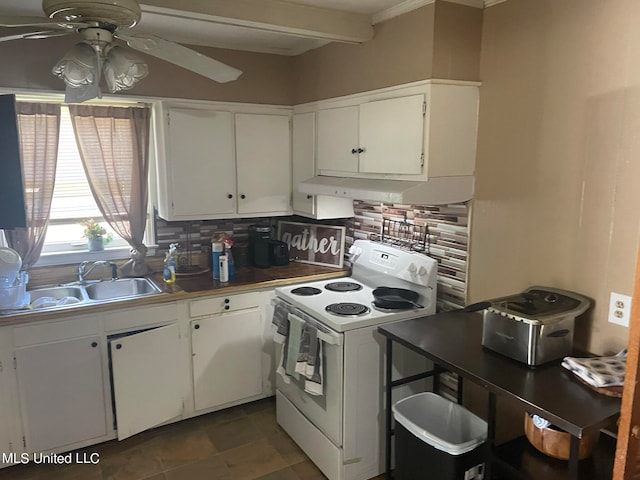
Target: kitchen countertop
(190, 287)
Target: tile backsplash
(448, 237)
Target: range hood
(435, 191)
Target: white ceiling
(282, 27)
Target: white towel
(540, 422)
(294, 343)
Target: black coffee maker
(259, 245)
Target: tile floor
(240, 443)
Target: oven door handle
(326, 335)
(331, 339)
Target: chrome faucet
(83, 271)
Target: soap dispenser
(169, 270)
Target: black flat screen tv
(12, 204)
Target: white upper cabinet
(384, 136)
(263, 150)
(313, 206)
(338, 139)
(303, 151)
(217, 162)
(408, 132)
(391, 135)
(200, 164)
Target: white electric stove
(342, 431)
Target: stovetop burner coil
(343, 286)
(306, 291)
(347, 309)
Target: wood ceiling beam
(273, 16)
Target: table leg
(491, 436)
(388, 413)
(574, 447)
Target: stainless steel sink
(57, 296)
(121, 288)
(58, 292)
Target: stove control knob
(412, 268)
(354, 252)
(422, 271)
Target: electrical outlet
(620, 309)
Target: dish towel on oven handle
(309, 363)
(599, 371)
(300, 350)
(281, 337)
(294, 343)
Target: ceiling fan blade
(34, 35)
(181, 56)
(6, 21)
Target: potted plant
(96, 235)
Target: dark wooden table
(452, 340)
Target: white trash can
(437, 439)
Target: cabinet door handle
(243, 196)
(226, 300)
(226, 307)
(229, 196)
(94, 344)
(360, 150)
(196, 326)
(309, 197)
(118, 346)
(354, 150)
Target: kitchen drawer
(229, 303)
(139, 317)
(44, 332)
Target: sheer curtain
(114, 147)
(38, 131)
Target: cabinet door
(304, 149)
(61, 392)
(226, 353)
(200, 163)
(263, 156)
(148, 379)
(392, 135)
(314, 206)
(338, 139)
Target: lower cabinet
(147, 376)
(227, 357)
(62, 392)
(84, 379)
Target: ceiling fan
(98, 22)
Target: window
(72, 203)
(72, 199)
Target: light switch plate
(619, 309)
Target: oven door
(325, 411)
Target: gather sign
(311, 243)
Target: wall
(439, 40)
(557, 170)
(266, 78)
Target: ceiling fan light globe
(122, 69)
(78, 66)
